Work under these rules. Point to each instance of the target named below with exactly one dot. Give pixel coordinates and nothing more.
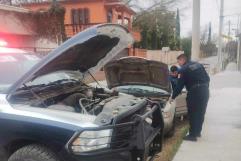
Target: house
(12, 29)
(81, 14)
(17, 31)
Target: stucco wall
(16, 32)
(97, 10)
(169, 57)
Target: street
(221, 138)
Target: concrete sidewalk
(221, 137)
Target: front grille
(121, 136)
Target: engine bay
(101, 103)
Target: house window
(86, 15)
(80, 16)
(74, 16)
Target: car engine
(101, 103)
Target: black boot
(190, 138)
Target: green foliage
(208, 49)
(178, 30)
(210, 32)
(157, 29)
(50, 23)
(207, 46)
(186, 45)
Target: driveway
(221, 138)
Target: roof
(107, 3)
(121, 5)
(13, 8)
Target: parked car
(14, 63)
(146, 79)
(50, 114)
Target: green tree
(178, 30)
(157, 28)
(139, 7)
(186, 44)
(210, 32)
(49, 23)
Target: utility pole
(220, 39)
(239, 37)
(196, 30)
(238, 54)
(229, 28)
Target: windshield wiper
(25, 87)
(35, 95)
(62, 81)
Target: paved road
(221, 140)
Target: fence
(72, 29)
(207, 67)
(169, 57)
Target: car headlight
(92, 140)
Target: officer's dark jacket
(192, 73)
(174, 81)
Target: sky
(209, 13)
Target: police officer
(196, 80)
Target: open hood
(86, 52)
(137, 71)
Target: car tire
(172, 131)
(33, 153)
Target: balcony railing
(72, 29)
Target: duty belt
(199, 85)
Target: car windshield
(58, 77)
(141, 90)
(13, 66)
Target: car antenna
(35, 95)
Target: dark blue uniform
(173, 81)
(196, 80)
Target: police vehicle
(48, 113)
